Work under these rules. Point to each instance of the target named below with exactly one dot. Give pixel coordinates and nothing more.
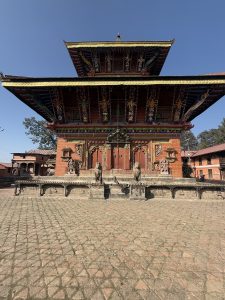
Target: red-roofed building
(208, 162)
(5, 169)
(33, 162)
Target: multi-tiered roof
(118, 83)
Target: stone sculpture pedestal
(137, 192)
(97, 192)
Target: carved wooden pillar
(108, 160)
(127, 157)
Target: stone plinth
(119, 191)
(97, 192)
(137, 192)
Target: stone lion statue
(137, 171)
(98, 172)
(73, 167)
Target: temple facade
(119, 110)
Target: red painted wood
(96, 157)
(118, 156)
(139, 156)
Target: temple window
(66, 153)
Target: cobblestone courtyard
(73, 249)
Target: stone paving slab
(83, 249)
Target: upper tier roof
(122, 58)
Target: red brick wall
(214, 166)
(61, 166)
(175, 168)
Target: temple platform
(119, 187)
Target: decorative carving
(108, 63)
(158, 149)
(193, 108)
(127, 63)
(118, 136)
(155, 166)
(164, 167)
(79, 150)
(50, 172)
(140, 61)
(104, 105)
(66, 154)
(171, 155)
(137, 171)
(96, 63)
(58, 104)
(98, 172)
(84, 105)
(73, 167)
(131, 105)
(151, 106)
(149, 63)
(88, 64)
(178, 105)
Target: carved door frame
(144, 148)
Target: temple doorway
(119, 156)
(140, 156)
(96, 156)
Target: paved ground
(73, 249)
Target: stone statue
(50, 172)
(71, 166)
(137, 171)
(77, 167)
(98, 172)
(164, 167)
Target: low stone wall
(132, 190)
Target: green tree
(221, 132)
(208, 138)
(212, 137)
(188, 140)
(39, 133)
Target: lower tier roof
(152, 99)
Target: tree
(208, 138)
(188, 140)
(212, 137)
(221, 132)
(39, 133)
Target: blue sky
(32, 34)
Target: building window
(200, 172)
(208, 160)
(200, 161)
(210, 175)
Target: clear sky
(32, 34)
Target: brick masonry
(175, 167)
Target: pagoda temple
(119, 110)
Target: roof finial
(118, 37)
